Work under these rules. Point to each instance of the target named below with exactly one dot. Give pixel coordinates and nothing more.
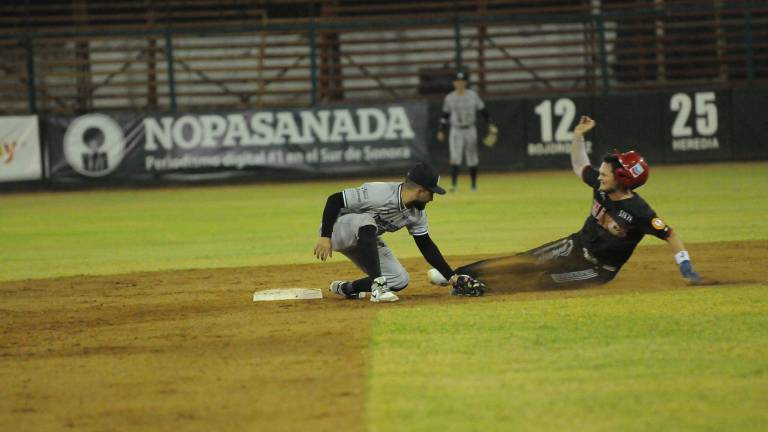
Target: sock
(473, 176)
(454, 174)
(360, 285)
(369, 259)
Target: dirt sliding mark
(188, 349)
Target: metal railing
(598, 51)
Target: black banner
(628, 123)
(507, 153)
(750, 132)
(188, 147)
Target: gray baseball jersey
(463, 108)
(376, 203)
(382, 201)
(462, 139)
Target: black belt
(465, 127)
(588, 256)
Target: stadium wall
(109, 149)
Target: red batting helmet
(633, 169)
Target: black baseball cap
(426, 175)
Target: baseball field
(131, 309)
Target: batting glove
(686, 269)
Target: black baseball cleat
(340, 288)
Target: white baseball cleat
(380, 292)
(436, 278)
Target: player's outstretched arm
(579, 158)
(432, 255)
(333, 205)
(683, 260)
(323, 248)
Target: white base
(288, 294)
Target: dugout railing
(378, 52)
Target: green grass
(690, 360)
(673, 360)
(116, 231)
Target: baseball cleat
(339, 288)
(380, 292)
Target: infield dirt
(189, 350)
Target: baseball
(436, 278)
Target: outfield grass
(691, 360)
(116, 231)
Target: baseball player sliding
(353, 220)
(459, 112)
(619, 219)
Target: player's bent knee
(399, 282)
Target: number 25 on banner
(705, 112)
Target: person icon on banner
(94, 160)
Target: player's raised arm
(579, 158)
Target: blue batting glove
(688, 273)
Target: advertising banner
(19, 149)
(628, 123)
(549, 124)
(187, 147)
(696, 126)
(750, 135)
(509, 152)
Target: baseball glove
(492, 137)
(468, 286)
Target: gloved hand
(464, 285)
(686, 269)
(492, 136)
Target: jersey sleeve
(359, 199)
(419, 227)
(589, 176)
(653, 225)
(479, 102)
(447, 104)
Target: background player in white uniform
(354, 219)
(460, 112)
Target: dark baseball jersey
(382, 201)
(614, 228)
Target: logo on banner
(7, 150)
(94, 145)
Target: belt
(588, 256)
(464, 127)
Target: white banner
(19, 149)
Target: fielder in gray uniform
(459, 113)
(354, 220)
